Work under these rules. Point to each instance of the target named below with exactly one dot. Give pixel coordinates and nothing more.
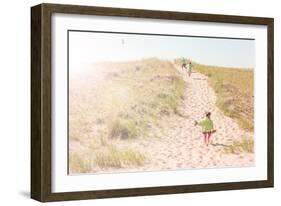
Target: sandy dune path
(180, 144)
(177, 144)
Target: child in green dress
(207, 126)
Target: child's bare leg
(205, 138)
(209, 136)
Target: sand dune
(180, 145)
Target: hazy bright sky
(89, 47)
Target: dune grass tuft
(113, 157)
(243, 146)
(107, 157)
(79, 164)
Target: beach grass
(108, 157)
(243, 146)
(112, 157)
(79, 163)
(119, 101)
(234, 88)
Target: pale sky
(89, 47)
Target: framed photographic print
(128, 102)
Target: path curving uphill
(176, 143)
(180, 144)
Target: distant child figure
(207, 127)
(183, 66)
(189, 68)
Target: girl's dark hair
(208, 114)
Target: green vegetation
(128, 101)
(79, 163)
(235, 91)
(119, 101)
(118, 158)
(108, 157)
(245, 145)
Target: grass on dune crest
(128, 101)
(234, 88)
(120, 101)
(235, 92)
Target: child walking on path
(189, 68)
(207, 127)
(183, 66)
